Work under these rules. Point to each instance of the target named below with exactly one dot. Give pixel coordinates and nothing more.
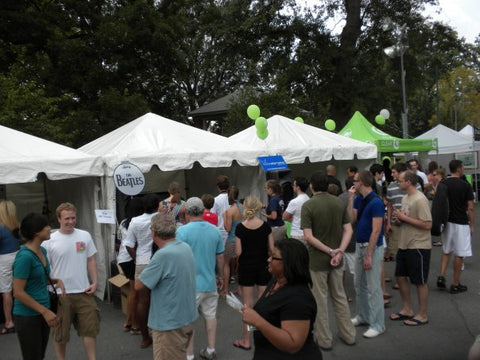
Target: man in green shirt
(327, 230)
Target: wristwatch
(330, 252)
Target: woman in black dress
(284, 315)
(253, 246)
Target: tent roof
(361, 129)
(24, 156)
(154, 140)
(296, 141)
(449, 141)
(221, 105)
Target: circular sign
(128, 179)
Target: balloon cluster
(253, 112)
(330, 125)
(380, 118)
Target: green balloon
(380, 120)
(253, 112)
(262, 135)
(299, 119)
(330, 125)
(261, 123)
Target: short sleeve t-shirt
(374, 208)
(288, 303)
(325, 215)
(295, 209)
(275, 204)
(171, 278)
(8, 243)
(459, 193)
(29, 267)
(210, 217)
(412, 237)
(254, 244)
(68, 255)
(206, 243)
(139, 234)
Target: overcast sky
(462, 15)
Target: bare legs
(132, 306)
(143, 304)
(7, 309)
(247, 292)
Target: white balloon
(385, 113)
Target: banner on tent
(272, 163)
(128, 179)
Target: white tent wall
(47, 195)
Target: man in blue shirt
(170, 276)
(368, 210)
(207, 246)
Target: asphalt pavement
(454, 322)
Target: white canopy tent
(449, 140)
(296, 142)
(163, 150)
(38, 175)
(166, 150)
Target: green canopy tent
(359, 128)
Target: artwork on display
(469, 159)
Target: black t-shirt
(254, 244)
(459, 192)
(294, 302)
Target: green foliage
(73, 70)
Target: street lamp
(400, 33)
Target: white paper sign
(128, 179)
(105, 216)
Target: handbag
(53, 296)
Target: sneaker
(458, 289)
(371, 333)
(356, 321)
(204, 354)
(441, 283)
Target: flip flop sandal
(237, 344)
(6, 330)
(400, 316)
(135, 331)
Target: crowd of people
(182, 256)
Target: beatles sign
(128, 179)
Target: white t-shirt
(139, 233)
(295, 209)
(68, 255)
(423, 176)
(123, 255)
(219, 207)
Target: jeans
(368, 286)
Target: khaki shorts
(207, 304)
(171, 344)
(139, 269)
(81, 311)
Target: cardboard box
(123, 283)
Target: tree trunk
(342, 84)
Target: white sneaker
(356, 321)
(371, 333)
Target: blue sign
(272, 163)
